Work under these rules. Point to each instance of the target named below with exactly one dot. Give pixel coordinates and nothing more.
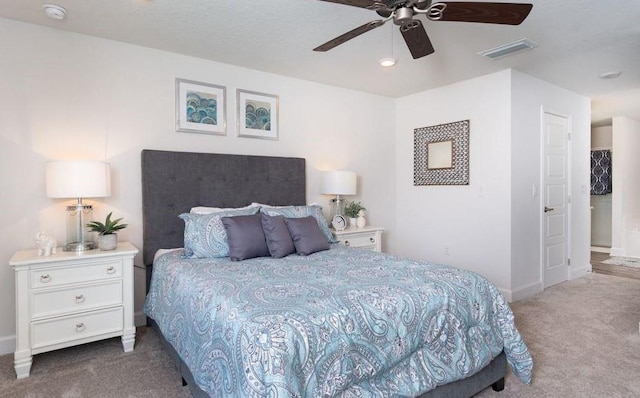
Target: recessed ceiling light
(508, 49)
(54, 11)
(610, 75)
(387, 62)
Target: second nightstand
(364, 238)
(72, 298)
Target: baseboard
(600, 249)
(7, 344)
(526, 291)
(577, 272)
(616, 252)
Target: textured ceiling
(577, 40)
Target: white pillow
(211, 210)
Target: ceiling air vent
(508, 49)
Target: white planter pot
(107, 242)
(353, 222)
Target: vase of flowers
(107, 236)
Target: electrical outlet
(447, 250)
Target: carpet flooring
(583, 336)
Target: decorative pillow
(204, 234)
(210, 210)
(245, 237)
(302, 211)
(306, 234)
(277, 236)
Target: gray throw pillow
(306, 234)
(245, 237)
(277, 236)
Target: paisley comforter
(344, 322)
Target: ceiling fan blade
(498, 13)
(417, 39)
(368, 4)
(350, 35)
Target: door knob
(548, 209)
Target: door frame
(541, 203)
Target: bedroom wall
(469, 222)
(531, 97)
(625, 228)
(492, 224)
(67, 96)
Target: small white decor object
(46, 244)
(361, 221)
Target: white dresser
(67, 299)
(364, 238)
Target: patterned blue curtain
(601, 172)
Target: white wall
(65, 96)
(472, 220)
(626, 187)
(601, 138)
(531, 97)
(492, 226)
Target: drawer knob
(347, 243)
(111, 269)
(372, 240)
(80, 298)
(45, 278)
(80, 327)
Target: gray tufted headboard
(174, 182)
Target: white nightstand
(67, 299)
(364, 238)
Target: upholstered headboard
(174, 182)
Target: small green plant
(109, 227)
(352, 209)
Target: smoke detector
(54, 11)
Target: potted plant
(107, 236)
(351, 210)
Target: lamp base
(78, 246)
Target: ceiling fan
(402, 13)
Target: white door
(556, 200)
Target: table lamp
(78, 179)
(338, 182)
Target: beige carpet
(583, 336)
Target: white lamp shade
(338, 182)
(78, 179)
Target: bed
(261, 329)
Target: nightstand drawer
(81, 326)
(73, 274)
(361, 241)
(74, 299)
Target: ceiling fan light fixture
(508, 49)
(54, 11)
(387, 62)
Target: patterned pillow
(204, 234)
(302, 211)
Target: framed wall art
(257, 115)
(200, 108)
(441, 154)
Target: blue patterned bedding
(343, 322)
